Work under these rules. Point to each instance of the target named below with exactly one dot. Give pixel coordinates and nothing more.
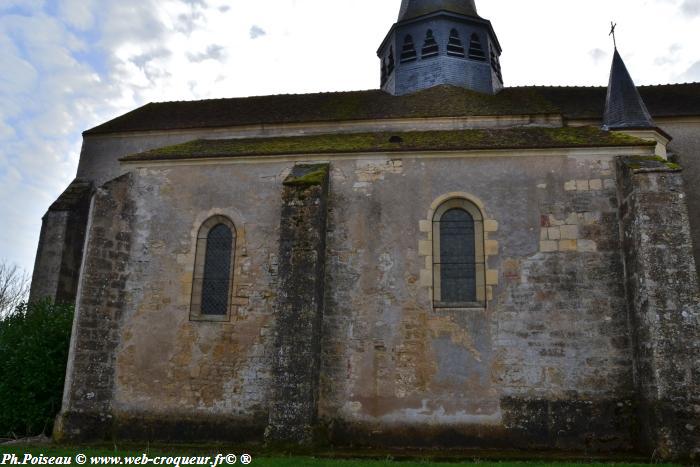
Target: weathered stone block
(490, 225)
(491, 247)
(585, 246)
(425, 248)
(548, 246)
(567, 245)
(569, 232)
(596, 184)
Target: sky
(69, 65)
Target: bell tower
(438, 42)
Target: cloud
(691, 7)
(597, 55)
(213, 52)
(77, 13)
(670, 57)
(74, 64)
(256, 31)
(68, 65)
(692, 74)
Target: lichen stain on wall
(439, 366)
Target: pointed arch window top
(430, 46)
(454, 46)
(476, 51)
(408, 53)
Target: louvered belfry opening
(430, 46)
(408, 53)
(392, 64)
(217, 271)
(454, 46)
(476, 51)
(496, 65)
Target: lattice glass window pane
(217, 271)
(457, 257)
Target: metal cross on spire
(612, 33)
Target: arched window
(430, 46)
(476, 51)
(458, 256)
(454, 46)
(213, 273)
(408, 53)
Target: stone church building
(445, 262)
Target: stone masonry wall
(686, 146)
(664, 302)
(100, 307)
(546, 365)
(299, 309)
(60, 251)
(181, 378)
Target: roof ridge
(216, 99)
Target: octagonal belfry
(439, 42)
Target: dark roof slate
(414, 8)
(624, 107)
(517, 138)
(440, 101)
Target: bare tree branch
(14, 287)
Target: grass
(481, 139)
(277, 461)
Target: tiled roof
(517, 138)
(440, 101)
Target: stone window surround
(484, 246)
(200, 255)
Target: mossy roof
(517, 138)
(439, 101)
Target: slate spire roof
(624, 107)
(414, 8)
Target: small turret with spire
(438, 42)
(624, 107)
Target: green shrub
(34, 344)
